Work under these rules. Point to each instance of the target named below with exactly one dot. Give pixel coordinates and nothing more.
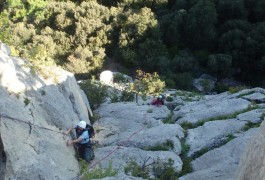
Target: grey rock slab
(131, 109)
(220, 163)
(211, 134)
(5, 49)
(251, 164)
(135, 125)
(203, 110)
(30, 149)
(254, 116)
(49, 107)
(124, 155)
(256, 96)
(122, 176)
(157, 136)
(247, 92)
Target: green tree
(256, 10)
(183, 80)
(27, 10)
(228, 10)
(147, 83)
(220, 65)
(139, 40)
(184, 62)
(247, 49)
(200, 25)
(5, 31)
(172, 28)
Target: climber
(82, 142)
(158, 101)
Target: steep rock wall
(252, 162)
(34, 112)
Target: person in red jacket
(158, 101)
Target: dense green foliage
(179, 39)
(95, 92)
(147, 84)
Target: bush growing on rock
(147, 83)
(97, 173)
(95, 92)
(161, 170)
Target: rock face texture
(218, 134)
(134, 130)
(251, 165)
(34, 112)
(220, 163)
(219, 128)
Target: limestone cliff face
(252, 162)
(34, 111)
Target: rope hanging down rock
(119, 146)
(27, 122)
(95, 163)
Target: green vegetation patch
(202, 151)
(136, 170)
(94, 118)
(169, 119)
(236, 89)
(123, 96)
(189, 125)
(26, 101)
(160, 169)
(119, 78)
(245, 94)
(95, 92)
(169, 99)
(231, 116)
(166, 146)
(97, 173)
(250, 125)
(186, 167)
(188, 96)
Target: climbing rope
(2, 115)
(119, 146)
(27, 122)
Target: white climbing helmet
(82, 124)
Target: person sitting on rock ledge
(82, 142)
(158, 101)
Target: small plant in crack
(204, 150)
(160, 169)
(250, 125)
(166, 146)
(186, 168)
(26, 101)
(42, 92)
(150, 110)
(169, 119)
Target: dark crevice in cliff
(2, 160)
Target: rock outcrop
(135, 131)
(211, 132)
(219, 128)
(220, 163)
(34, 111)
(251, 164)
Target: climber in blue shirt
(82, 141)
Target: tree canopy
(179, 39)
